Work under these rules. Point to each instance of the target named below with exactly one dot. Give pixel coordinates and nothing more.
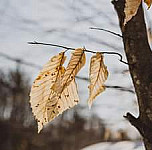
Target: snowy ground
(67, 22)
(126, 145)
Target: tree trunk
(139, 58)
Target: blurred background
(64, 22)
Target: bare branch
(71, 48)
(144, 129)
(106, 31)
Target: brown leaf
(59, 103)
(148, 2)
(76, 62)
(131, 7)
(98, 75)
(41, 88)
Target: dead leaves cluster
(131, 8)
(55, 89)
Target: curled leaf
(131, 7)
(76, 62)
(148, 2)
(41, 88)
(98, 75)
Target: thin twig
(50, 44)
(71, 48)
(115, 53)
(106, 31)
(56, 45)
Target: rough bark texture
(139, 57)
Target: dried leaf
(98, 75)
(59, 103)
(131, 7)
(41, 88)
(76, 62)
(148, 2)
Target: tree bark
(139, 56)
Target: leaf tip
(89, 104)
(40, 126)
(39, 129)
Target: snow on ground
(125, 145)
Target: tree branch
(86, 50)
(144, 130)
(93, 28)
